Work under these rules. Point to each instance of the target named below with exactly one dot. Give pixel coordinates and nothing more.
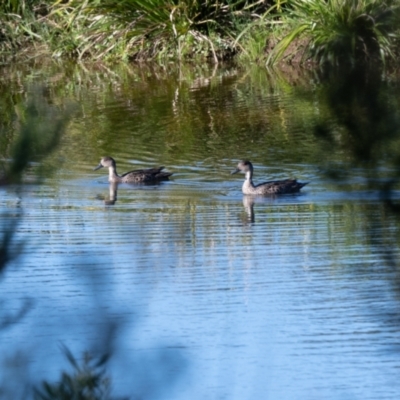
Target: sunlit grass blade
(283, 45)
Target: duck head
(243, 166)
(105, 162)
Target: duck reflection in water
(113, 194)
(248, 204)
(285, 186)
(113, 190)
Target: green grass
(339, 32)
(155, 29)
(127, 29)
(334, 32)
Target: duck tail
(302, 184)
(163, 175)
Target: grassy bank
(313, 32)
(125, 30)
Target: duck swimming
(270, 187)
(137, 176)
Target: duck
(271, 187)
(138, 176)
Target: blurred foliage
(30, 130)
(33, 119)
(366, 118)
(34, 133)
(88, 381)
(366, 129)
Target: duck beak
(235, 171)
(98, 167)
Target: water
(201, 291)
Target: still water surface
(211, 294)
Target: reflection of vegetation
(39, 128)
(180, 111)
(366, 129)
(367, 120)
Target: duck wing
(146, 175)
(281, 187)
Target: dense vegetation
(332, 32)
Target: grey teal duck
(137, 176)
(271, 187)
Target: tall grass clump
(13, 17)
(254, 37)
(139, 29)
(174, 28)
(339, 32)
